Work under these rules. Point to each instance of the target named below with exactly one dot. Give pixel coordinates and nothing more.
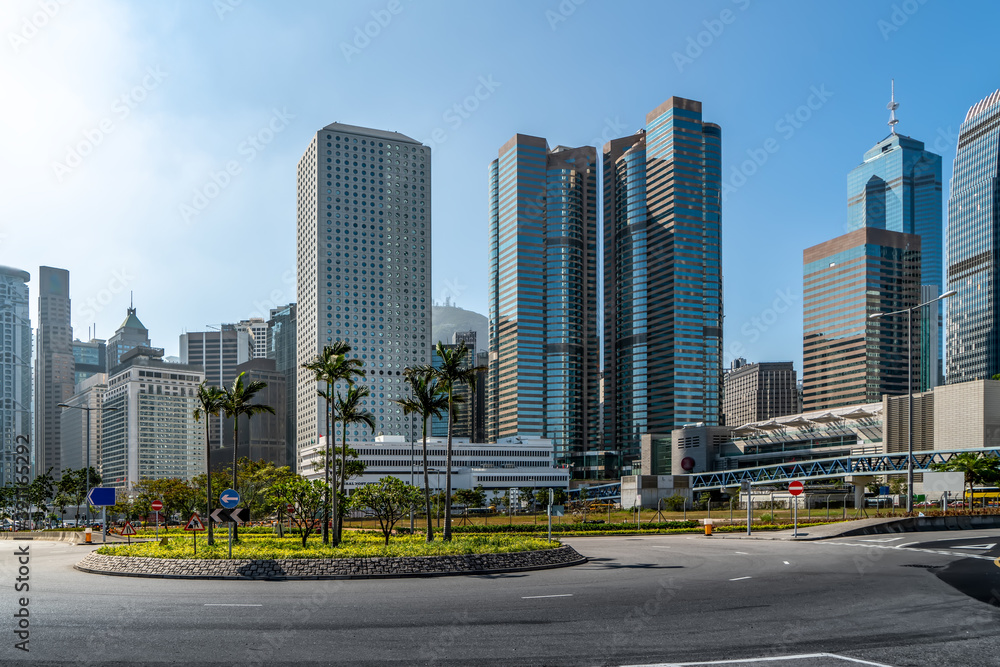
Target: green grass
(355, 544)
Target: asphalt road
(643, 600)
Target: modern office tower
(256, 330)
(130, 334)
(364, 266)
(544, 345)
(262, 438)
(849, 358)
(15, 368)
(89, 359)
(898, 187)
(479, 412)
(217, 353)
(662, 279)
(152, 433)
(54, 366)
(281, 348)
(464, 407)
(973, 270)
(756, 392)
(467, 337)
(73, 436)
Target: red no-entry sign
(156, 506)
(795, 488)
(290, 509)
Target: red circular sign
(795, 488)
(290, 509)
(156, 506)
(687, 463)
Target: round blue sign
(229, 498)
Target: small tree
(675, 503)
(307, 499)
(389, 499)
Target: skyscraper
(89, 359)
(364, 266)
(129, 335)
(544, 346)
(256, 331)
(760, 391)
(54, 366)
(217, 353)
(662, 278)
(898, 187)
(15, 368)
(281, 347)
(973, 245)
(848, 358)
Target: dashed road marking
(739, 578)
(220, 604)
(786, 562)
(777, 658)
(742, 553)
(537, 597)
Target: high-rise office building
(89, 359)
(151, 433)
(281, 348)
(662, 279)
(898, 187)
(54, 366)
(129, 335)
(217, 353)
(15, 368)
(761, 391)
(479, 412)
(544, 344)
(364, 266)
(262, 438)
(848, 358)
(461, 426)
(973, 245)
(73, 436)
(256, 331)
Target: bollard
(708, 526)
(87, 534)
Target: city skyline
(710, 53)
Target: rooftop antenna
(892, 106)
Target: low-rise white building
(520, 462)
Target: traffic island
(291, 569)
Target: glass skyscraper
(544, 352)
(662, 279)
(898, 188)
(973, 218)
(15, 368)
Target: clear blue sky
(162, 95)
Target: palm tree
(330, 367)
(428, 400)
(348, 411)
(211, 399)
(448, 373)
(237, 402)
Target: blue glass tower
(973, 244)
(898, 188)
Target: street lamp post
(88, 409)
(909, 386)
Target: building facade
(89, 359)
(129, 335)
(973, 325)
(465, 405)
(849, 358)
(54, 366)
(754, 392)
(662, 279)
(15, 370)
(256, 332)
(281, 348)
(262, 438)
(544, 347)
(898, 187)
(364, 266)
(218, 353)
(73, 427)
(151, 432)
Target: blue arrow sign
(102, 496)
(229, 498)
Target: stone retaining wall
(335, 568)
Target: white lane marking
(537, 597)
(926, 551)
(220, 604)
(786, 562)
(883, 539)
(657, 546)
(977, 546)
(777, 658)
(742, 553)
(739, 578)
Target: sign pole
(795, 512)
(104, 521)
(157, 514)
(230, 540)
(551, 498)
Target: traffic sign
(795, 488)
(229, 498)
(156, 506)
(290, 509)
(102, 496)
(194, 523)
(236, 515)
(745, 486)
(128, 529)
